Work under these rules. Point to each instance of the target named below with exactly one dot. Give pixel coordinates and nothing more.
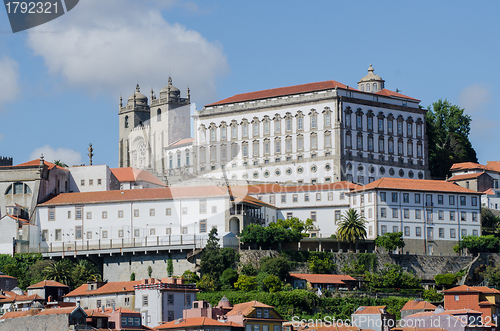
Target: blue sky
(60, 82)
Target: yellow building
(256, 316)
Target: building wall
(106, 300)
(94, 178)
(36, 323)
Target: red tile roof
(7, 276)
(282, 91)
(58, 311)
(370, 310)
(181, 142)
(13, 297)
(418, 304)
(465, 288)
(246, 308)
(494, 165)
(466, 176)
(490, 192)
(133, 175)
(323, 278)
(447, 312)
(47, 283)
(195, 322)
(111, 287)
(469, 166)
(15, 314)
(36, 162)
(392, 94)
(415, 185)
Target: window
(78, 232)
(283, 198)
(136, 212)
(120, 214)
(79, 213)
(452, 200)
(452, 233)
(45, 235)
(381, 125)
(383, 196)
(289, 215)
(144, 300)
(152, 232)
(457, 297)
(255, 129)
(104, 234)
(359, 122)
(389, 126)
(187, 300)
(313, 216)
(400, 128)
(406, 213)
(359, 142)
(203, 226)
(419, 130)
(170, 299)
(463, 216)
(170, 315)
(441, 232)
(58, 235)
(394, 213)
(306, 197)
(464, 232)
(474, 233)
(406, 197)
(394, 229)
(314, 141)
(184, 210)
(394, 197)
(256, 148)
(369, 123)
(104, 214)
(383, 229)
(474, 201)
(82, 182)
(266, 313)
(203, 206)
(89, 234)
(184, 230)
(337, 216)
(418, 231)
(300, 123)
(407, 231)
(91, 182)
(120, 233)
(440, 215)
(381, 145)
(187, 158)
(318, 196)
(452, 216)
(69, 214)
(137, 232)
(295, 198)
(474, 217)
(417, 197)
(234, 132)
(151, 212)
(463, 201)
(256, 327)
(314, 122)
(391, 147)
(348, 120)
(342, 196)
(327, 120)
(383, 212)
(417, 214)
(89, 215)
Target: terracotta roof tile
(446, 312)
(15, 314)
(246, 308)
(415, 185)
(490, 192)
(13, 297)
(58, 311)
(493, 165)
(194, 322)
(389, 93)
(323, 278)
(181, 142)
(282, 91)
(469, 166)
(370, 310)
(111, 287)
(133, 175)
(418, 304)
(36, 162)
(465, 288)
(47, 283)
(466, 176)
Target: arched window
(368, 87)
(126, 121)
(158, 115)
(18, 188)
(362, 87)
(374, 87)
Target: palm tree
(351, 227)
(59, 271)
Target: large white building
(433, 215)
(312, 133)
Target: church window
(266, 128)
(158, 115)
(255, 148)
(223, 135)
(328, 119)
(244, 130)
(178, 160)
(300, 123)
(255, 129)
(277, 146)
(277, 126)
(300, 143)
(328, 140)
(314, 141)
(314, 122)
(288, 124)
(234, 132)
(126, 121)
(212, 134)
(187, 158)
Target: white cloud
(9, 80)
(66, 155)
(107, 46)
(474, 97)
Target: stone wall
(36, 323)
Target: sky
(60, 82)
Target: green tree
(278, 266)
(206, 283)
(190, 277)
(351, 227)
(446, 280)
(392, 276)
(246, 283)
(272, 283)
(249, 270)
(254, 233)
(478, 244)
(170, 266)
(150, 271)
(390, 241)
(491, 275)
(214, 260)
(319, 265)
(295, 224)
(488, 220)
(228, 278)
(84, 271)
(60, 271)
(432, 295)
(132, 276)
(60, 163)
(448, 129)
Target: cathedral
(312, 133)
